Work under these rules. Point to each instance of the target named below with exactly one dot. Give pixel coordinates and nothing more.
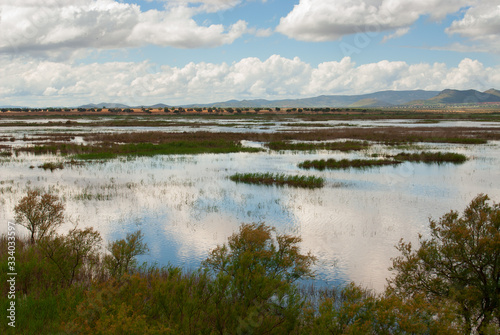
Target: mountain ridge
(452, 96)
(388, 98)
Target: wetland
(173, 177)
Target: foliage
(253, 277)
(40, 213)
(115, 307)
(459, 264)
(449, 285)
(123, 252)
(73, 252)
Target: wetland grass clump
(431, 157)
(340, 146)
(51, 166)
(114, 150)
(322, 164)
(278, 179)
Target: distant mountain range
(104, 105)
(377, 99)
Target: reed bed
(278, 179)
(431, 157)
(113, 150)
(332, 164)
(340, 146)
(389, 135)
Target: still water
(186, 205)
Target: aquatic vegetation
(331, 163)
(278, 179)
(51, 166)
(341, 146)
(431, 157)
(113, 150)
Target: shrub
(40, 213)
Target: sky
(139, 53)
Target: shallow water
(186, 205)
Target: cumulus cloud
(323, 20)
(53, 26)
(45, 83)
(481, 24)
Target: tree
(459, 264)
(253, 277)
(70, 253)
(123, 252)
(40, 213)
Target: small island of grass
(331, 163)
(341, 146)
(431, 157)
(278, 179)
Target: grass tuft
(431, 157)
(51, 166)
(331, 163)
(278, 179)
(341, 146)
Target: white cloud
(323, 20)
(55, 27)
(481, 24)
(43, 83)
(398, 33)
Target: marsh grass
(387, 135)
(51, 166)
(431, 157)
(113, 150)
(331, 163)
(278, 179)
(340, 146)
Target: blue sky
(72, 52)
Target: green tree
(459, 264)
(253, 281)
(123, 252)
(41, 213)
(73, 252)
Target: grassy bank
(278, 179)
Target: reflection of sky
(186, 205)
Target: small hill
(159, 106)
(463, 97)
(492, 91)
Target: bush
(41, 213)
(459, 264)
